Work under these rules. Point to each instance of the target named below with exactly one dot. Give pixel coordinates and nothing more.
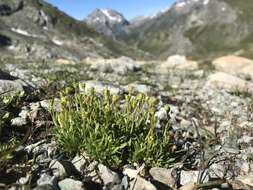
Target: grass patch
(112, 130)
(241, 93)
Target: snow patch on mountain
(183, 3)
(20, 31)
(111, 17)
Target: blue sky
(129, 8)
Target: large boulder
(9, 84)
(178, 62)
(234, 65)
(120, 65)
(243, 182)
(226, 81)
(99, 87)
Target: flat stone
(71, 184)
(243, 182)
(234, 65)
(221, 80)
(189, 186)
(188, 177)
(141, 184)
(163, 175)
(131, 173)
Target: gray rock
(43, 150)
(107, 175)
(161, 114)
(140, 88)
(141, 184)
(19, 121)
(163, 175)
(35, 106)
(92, 173)
(243, 167)
(45, 187)
(245, 139)
(124, 182)
(243, 182)
(218, 170)
(80, 161)
(8, 87)
(120, 66)
(47, 180)
(99, 87)
(24, 180)
(46, 104)
(24, 113)
(58, 169)
(71, 184)
(188, 177)
(131, 173)
(124, 64)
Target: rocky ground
(211, 106)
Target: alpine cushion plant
(113, 130)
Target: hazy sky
(129, 8)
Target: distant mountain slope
(34, 28)
(198, 28)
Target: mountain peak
(112, 15)
(107, 21)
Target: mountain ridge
(196, 28)
(35, 28)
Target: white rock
(71, 184)
(221, 80)
(58, 169)
(99, 87)
(131, 173)
(107, 175)
(141, 184)
(234, 65)
(79, 162)
(46, 179)
(19, 121)
(163, 175)
(177, 62)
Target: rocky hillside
(198, 135)
(34, 28)
(107, 21)
(198, 28)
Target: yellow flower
(152, 101)
(81, 86)
(115, 99)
